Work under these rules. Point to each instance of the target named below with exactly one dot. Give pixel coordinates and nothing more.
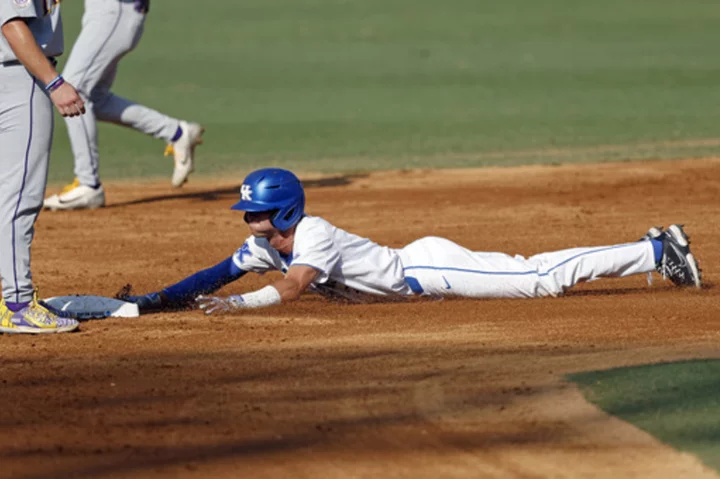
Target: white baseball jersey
(437, 266)
(339, 257)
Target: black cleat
(677, 262)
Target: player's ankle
(177, 135)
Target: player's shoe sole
(79, 197)
(34, 330)
(680, 244)
(34, 319)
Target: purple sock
(177, 135)
(15, 307)
(657, 250)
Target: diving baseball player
(110, 30)
(317, 256)
(30, 39)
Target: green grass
(679, 403)
(365, 84)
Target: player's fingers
(80, 104)
(218, 306)
(205, 304)
(71, 110)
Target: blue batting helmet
(273, 189)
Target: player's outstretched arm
(184, 292)
(297, 280)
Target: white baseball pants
(441, 267)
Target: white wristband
(268, 296)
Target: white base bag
(93, 307)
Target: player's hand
(148, 303)
(215, 305)
(68, 101)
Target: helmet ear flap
(289, 214)
(275, 219)
(286, 218)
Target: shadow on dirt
(706, 286)
(137, 415)
(234, 191)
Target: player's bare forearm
(289, 289)
(296, 281)
(26, 49)
(23, 44)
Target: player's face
(260, 224)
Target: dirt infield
(455, 388)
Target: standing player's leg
(26, 123)
(99, 42)
(111, 30)
(182, 136)
(25, 136)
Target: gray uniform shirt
(43, 19)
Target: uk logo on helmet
(246, 193)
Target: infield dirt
(423, 389)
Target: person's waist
(14, 63)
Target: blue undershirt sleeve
(203, 282)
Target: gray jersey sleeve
(43, 20)
(10, 9)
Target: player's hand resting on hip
(68, 101)
(214, 305)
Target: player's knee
(548, 286)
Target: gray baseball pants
(110, 30)
(26, 129)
